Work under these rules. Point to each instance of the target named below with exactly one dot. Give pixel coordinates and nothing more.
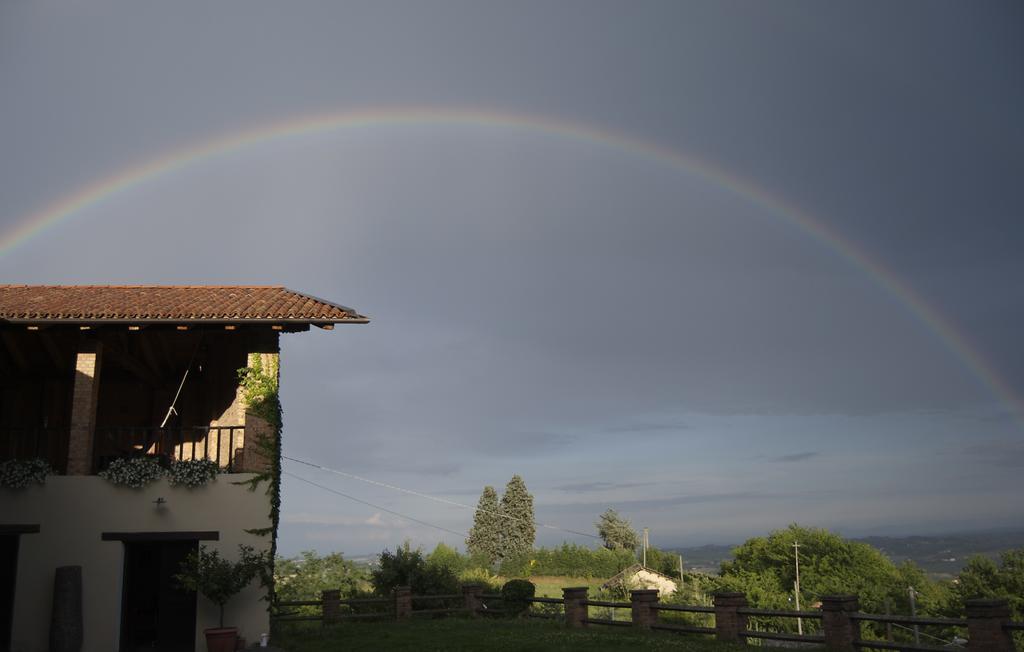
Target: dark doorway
(155, 613)
(8, 573)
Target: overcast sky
(620, 331)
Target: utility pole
(913, 614)
(645, 546)
(796, 586)
(681, 571)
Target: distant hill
(941, 556)
(945, 555)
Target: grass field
(461, 635)
(550, 586)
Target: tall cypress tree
(518, 528)
(485, 536)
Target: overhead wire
(437, 499)
(365, 502)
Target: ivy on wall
(259, 383)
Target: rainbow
(53, 213)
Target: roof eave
(195, 322)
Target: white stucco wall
(647, 580)
(73, 511)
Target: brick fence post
(840, 629)
(575, 613)
(403, 602)
(472, 593)
(642, 600)
(985, 619)
(331, 605)
(728, 621)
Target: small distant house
(88, 376)
(638, 576)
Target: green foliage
(484, 539)
(218, 579)
(616, 532)
(568, 559)
(407, 567)
(666, 563)
(306, 576)
(983, 578)
(520, 530)
(447, 558)
(260, 388)
(482, 576)
(516, 595)
(763, 568)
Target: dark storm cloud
(583, 315)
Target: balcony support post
(88, 363)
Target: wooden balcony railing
(22, 443)
(218, 443)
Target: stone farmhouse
(639, 576)
(90, 375)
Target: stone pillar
(403, 602)
(643, 614)
(985, 619)
(472, 593)
(575, 613)
(840, 629)
(331, 605)
(83, 407)
(728, 621)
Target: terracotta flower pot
(221, 639)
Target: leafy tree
(666, 563)
(983, 578)
(407, 567)
(484, 539)
(304, 577)
(616, 532)
(763, 568)
(206, 572)
(448, 558)
(519, 529)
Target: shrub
(481, 576)
(306, 576)
(132, 472)
(18, 474)
(193, 473)
(407, 567)
(516, 595)
(568, 559)
(444, 556)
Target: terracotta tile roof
(171, 303)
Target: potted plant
(206, 572)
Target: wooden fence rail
(988, 626)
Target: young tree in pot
(206, 572)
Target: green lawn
(550, 586)
(460, 634)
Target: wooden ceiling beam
(11, 343)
